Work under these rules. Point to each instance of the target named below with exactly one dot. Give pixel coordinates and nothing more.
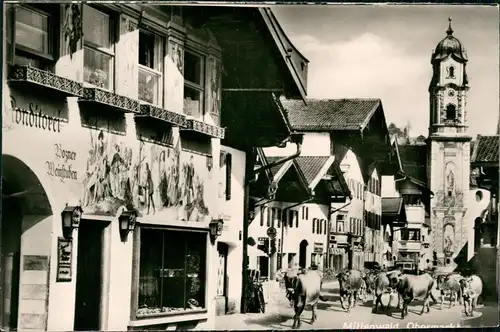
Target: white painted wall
(474, 209)
(35, 147)
(291, 236)
(389, 186)
(232, 213)
(314, 144)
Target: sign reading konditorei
(64, 168)
(34, 117)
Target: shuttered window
(262, 215)
(268, 217)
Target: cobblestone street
(279, 315)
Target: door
(89, 275)
(303, 253)
(222, 278)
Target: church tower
(448, 149)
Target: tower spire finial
(450, 30)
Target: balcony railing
(149, 85)
(409, 245)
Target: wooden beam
(251, 90)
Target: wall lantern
(215, 229)
(126, 222)
(71, 216)
(251, 215)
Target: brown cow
(370, 278)
(382, 285)
(450, 284)
(472, 288)
(350, 282)
(302, 289)
(412, 287)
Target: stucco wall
(314, 144)
(62, 153)
(232, 212)
(291, 236)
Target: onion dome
(449, 46)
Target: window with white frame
(194, 84)
(34, 40)
(340, 223)
(98, 56)
(150, 67)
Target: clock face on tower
(451, 93)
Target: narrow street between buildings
(279, 315)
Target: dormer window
(451, 72)
(451, 112)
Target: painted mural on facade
(448, 238)
(109, 180)
(154, 179)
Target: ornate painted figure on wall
(155, 182)
(448, 236)
(107, 184)
(450, 178)
(215, 86)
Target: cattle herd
(303, 287)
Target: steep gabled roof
(276, 168)
(485, 150)
(330, 114)
(414, 161)
(311, 166)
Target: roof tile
(414, 161)
(310, 166)
(329, 114)
(486, 149)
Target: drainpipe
(246, 203)
(311, 197)
(273, 188)
(343, 206)
(294, 138)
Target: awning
(337, 251)
(393, 211)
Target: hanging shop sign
(318, 247)
(64, 259)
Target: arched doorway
(303, 253)
(22, 194)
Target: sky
(384, 51)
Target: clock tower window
(451, 112)
(451, 72)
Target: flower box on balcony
(109, 99)
(205, 128)
(163, 115)
(44, 79)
